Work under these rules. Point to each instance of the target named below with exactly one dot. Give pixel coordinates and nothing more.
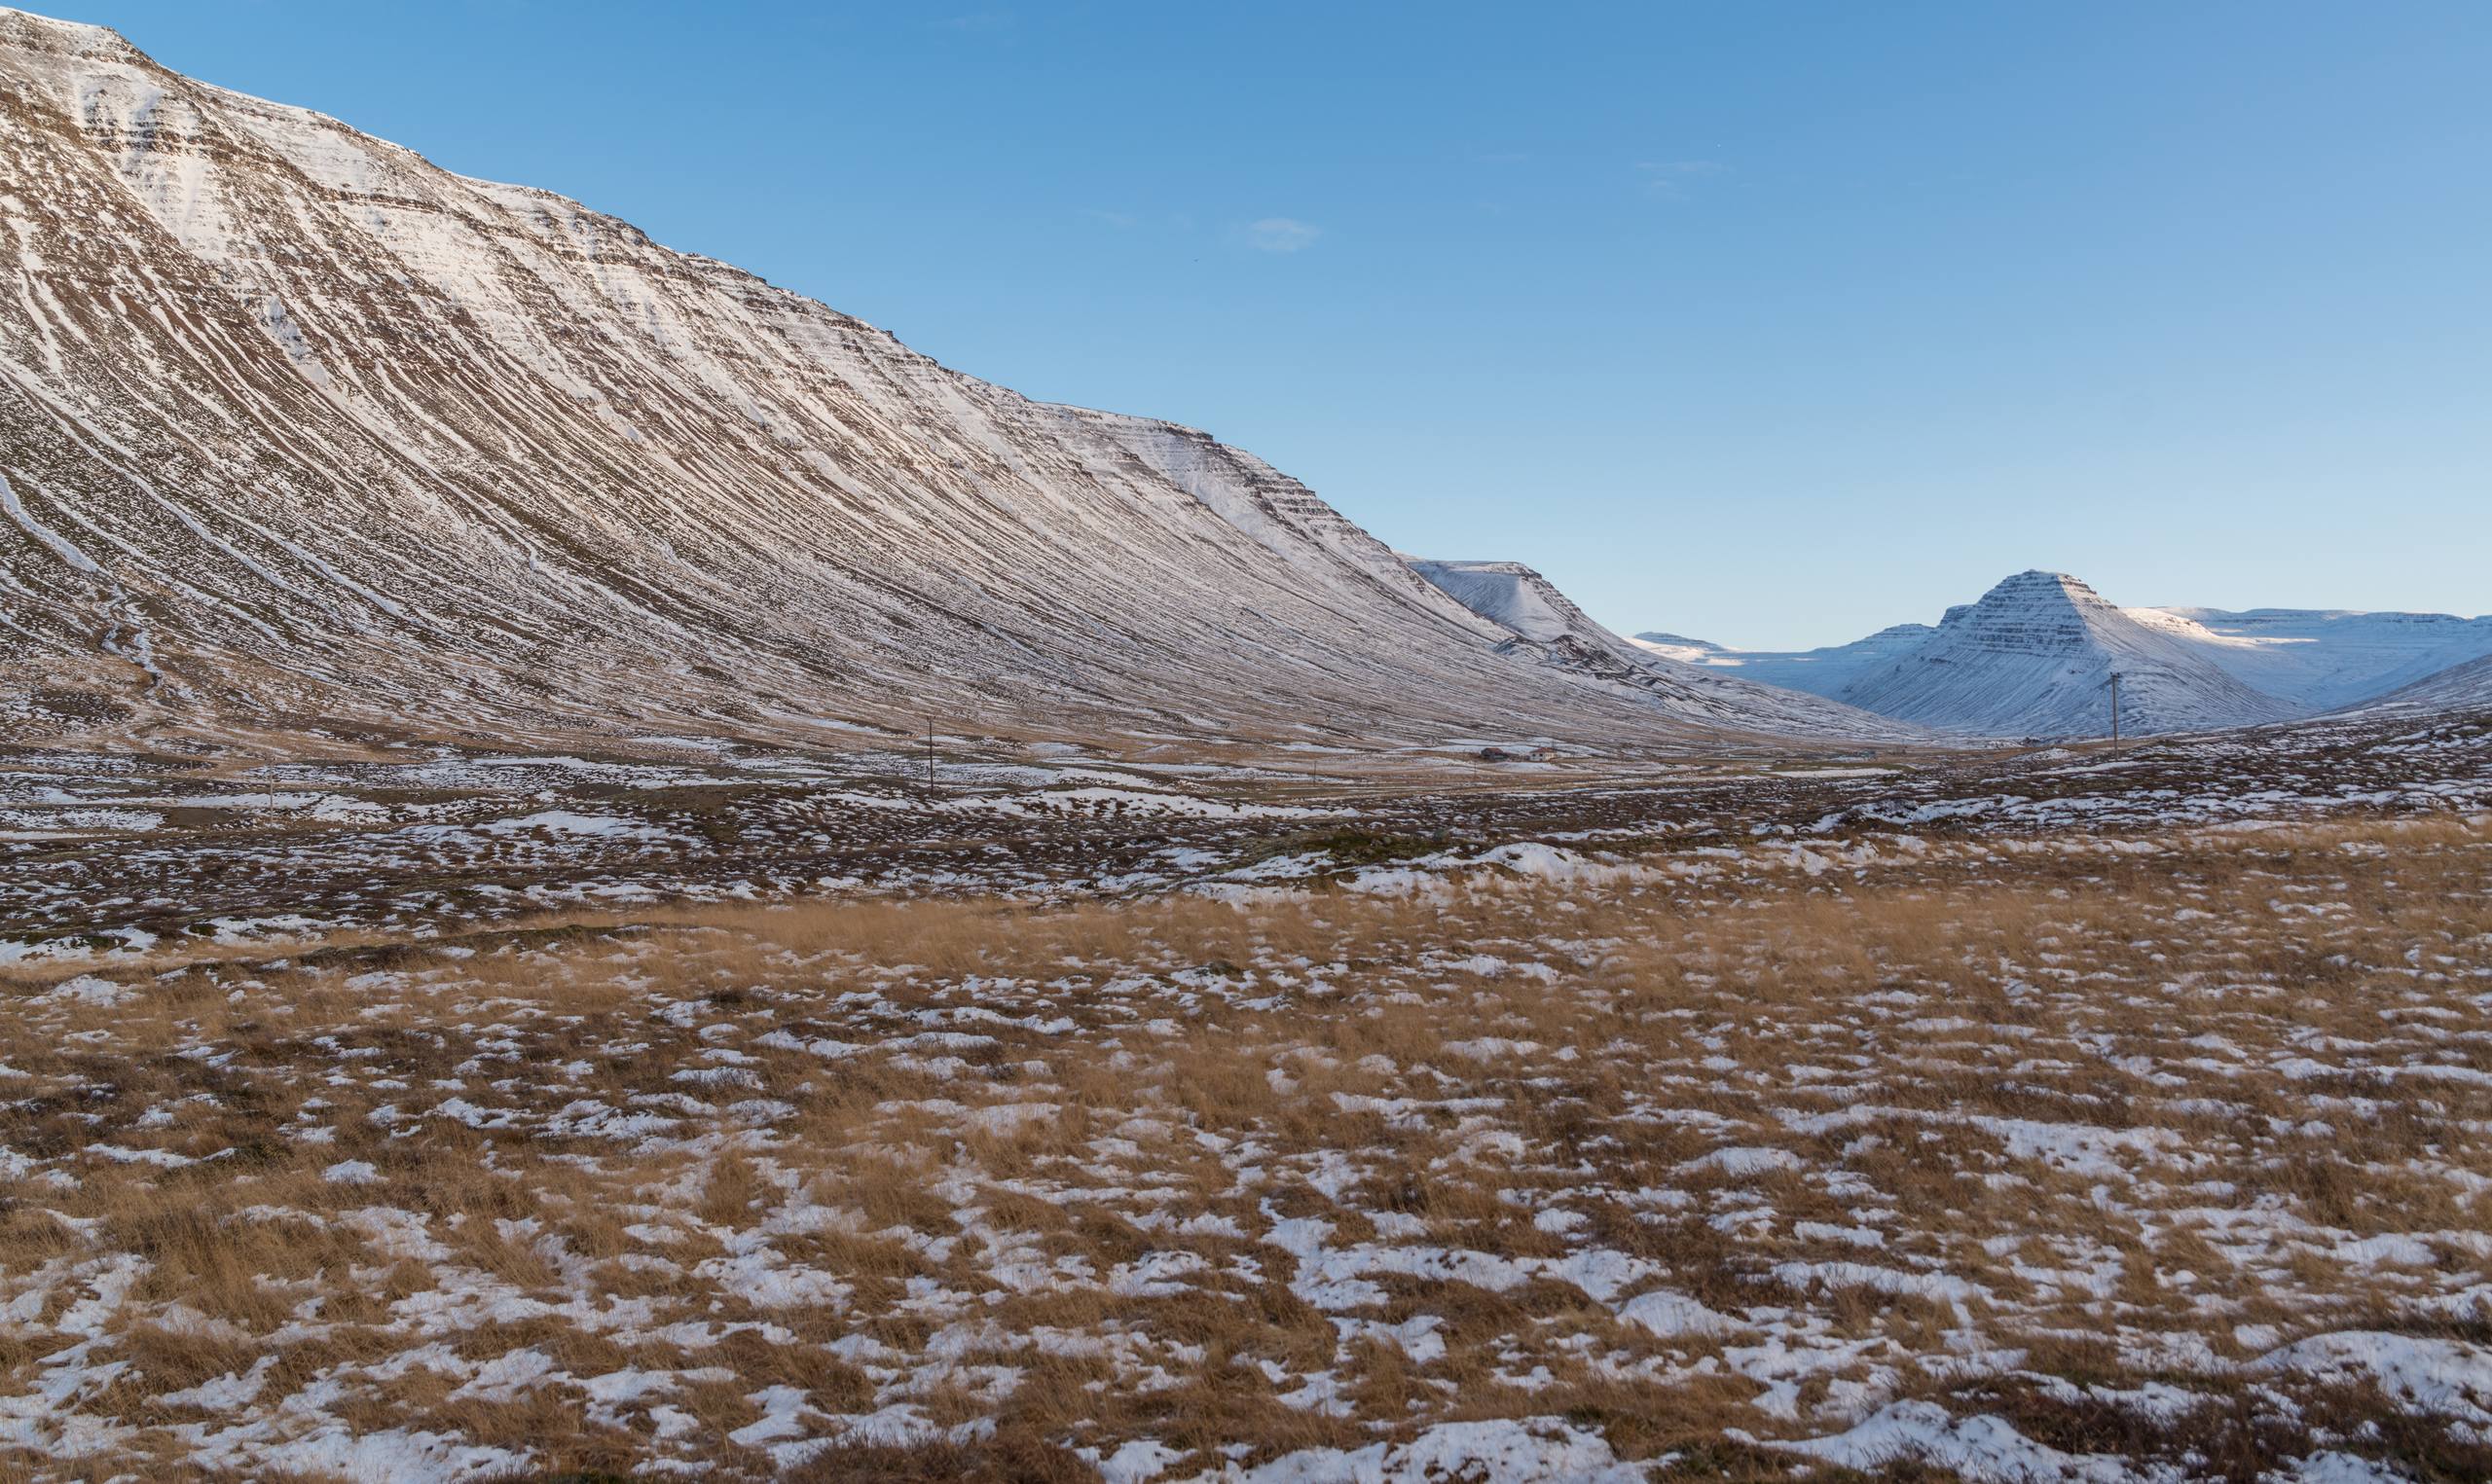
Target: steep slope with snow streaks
(293, 422)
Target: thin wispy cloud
(989, 24)
(1120, 220)
(1670, 179)
(1281, 234)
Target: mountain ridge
(299, 424)
(2308, 660)
(2035, 655)
(2327, 658)
(2464, 686)
(1549, 626)
(1823, 671)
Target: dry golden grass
(880, 1189)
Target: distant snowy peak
(2033, 612)
(2035, 657)
(2323, 659)
(1546, 624)
(1818, 671)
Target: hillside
(2323, 659)
(2034, 657)
(2308, 658)
(296, 425)
(1545, 625)
(1818, 671)
(2458, 688)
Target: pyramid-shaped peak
(2035, 582)
(2033, 658)
(2037, 611)
(2036, 595)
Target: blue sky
(1767, 322)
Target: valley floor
(2084, 1115)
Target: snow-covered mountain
(2466, 687)
(1545, 625)
(1818, 671)
(295, 425)
(2034, 657)
(2323, 659)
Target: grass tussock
(972, 1189)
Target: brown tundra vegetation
(1914, 1150)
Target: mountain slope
(294, 423)
(2323, 659)
(2312, 659)
(2463, 687)
(1545, 625)
(2033, 658)
(1822, 672)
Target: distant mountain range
(1544, 625)
(2463, 687)
(299, 431)
(2323, 659)
(1818, 671)
(2035, 655)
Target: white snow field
(2460, 687)
(2322, 659)
(1818, 671)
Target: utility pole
(2115, 705)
